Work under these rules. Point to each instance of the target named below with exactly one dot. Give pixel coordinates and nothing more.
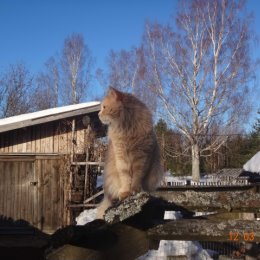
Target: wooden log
(73, 253)
(94, 235)
(208, 201)
(88, 205)
(17, 231)
(230, 216)
(139, 209)
(207, 230)
(113, 239)
(126, 243)
(127, 208)
(94, 196)
(135, 225)
(131, 243)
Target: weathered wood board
(247, 200)
(207, 230)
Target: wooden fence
(136, 225)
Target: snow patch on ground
(253, 165)
(190, 249)
(172, 215)
(86, 216)
(100, 181)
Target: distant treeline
(234, 153)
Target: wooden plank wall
(43, 204)
(32, 189)
(49, 206)
(52, 137)
(15, 198)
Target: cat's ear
(115, 94)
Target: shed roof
(47, 115)
(228, 172)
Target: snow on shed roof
(47, 115)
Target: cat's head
(111, 106)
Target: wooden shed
(39, 152)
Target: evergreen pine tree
(256, 126)
(255, 136)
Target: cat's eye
(104, 107)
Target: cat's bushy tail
(154, 177)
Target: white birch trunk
(195, 162)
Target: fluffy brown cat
(133, 158)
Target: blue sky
(33, 30)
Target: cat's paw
(136, 189)
(134, 192)
(123, 194)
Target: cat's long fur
(133, 158)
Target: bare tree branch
(206, 64)
(76, 63)
(15, 91)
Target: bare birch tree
(46, 94)
(126, 71)
(123, 69)
(15, 91)
(200, 68)
(76, 63)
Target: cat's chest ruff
(120, 146)
(125, 143)
(124, 148)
